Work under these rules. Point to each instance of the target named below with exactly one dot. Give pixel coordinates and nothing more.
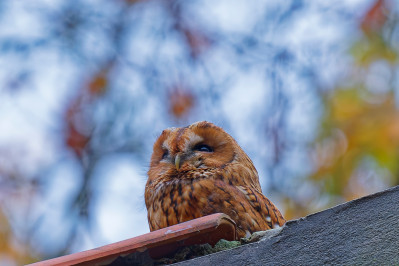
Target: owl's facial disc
(191, 157)
(185, 150)
(198, 146)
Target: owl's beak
(177, 162)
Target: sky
(30, 115)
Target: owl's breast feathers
(193, 194)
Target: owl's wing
(263, 205)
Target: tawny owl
(199, 170)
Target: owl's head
(201, 145)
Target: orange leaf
(181, 102)
(76, 140)
(98, 84)
(375, 18)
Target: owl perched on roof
(200, 170)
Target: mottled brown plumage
(199, 170)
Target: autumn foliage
(89, 85)
(356, 152)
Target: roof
(363, 231)
(154, 245)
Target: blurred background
(308, 88)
